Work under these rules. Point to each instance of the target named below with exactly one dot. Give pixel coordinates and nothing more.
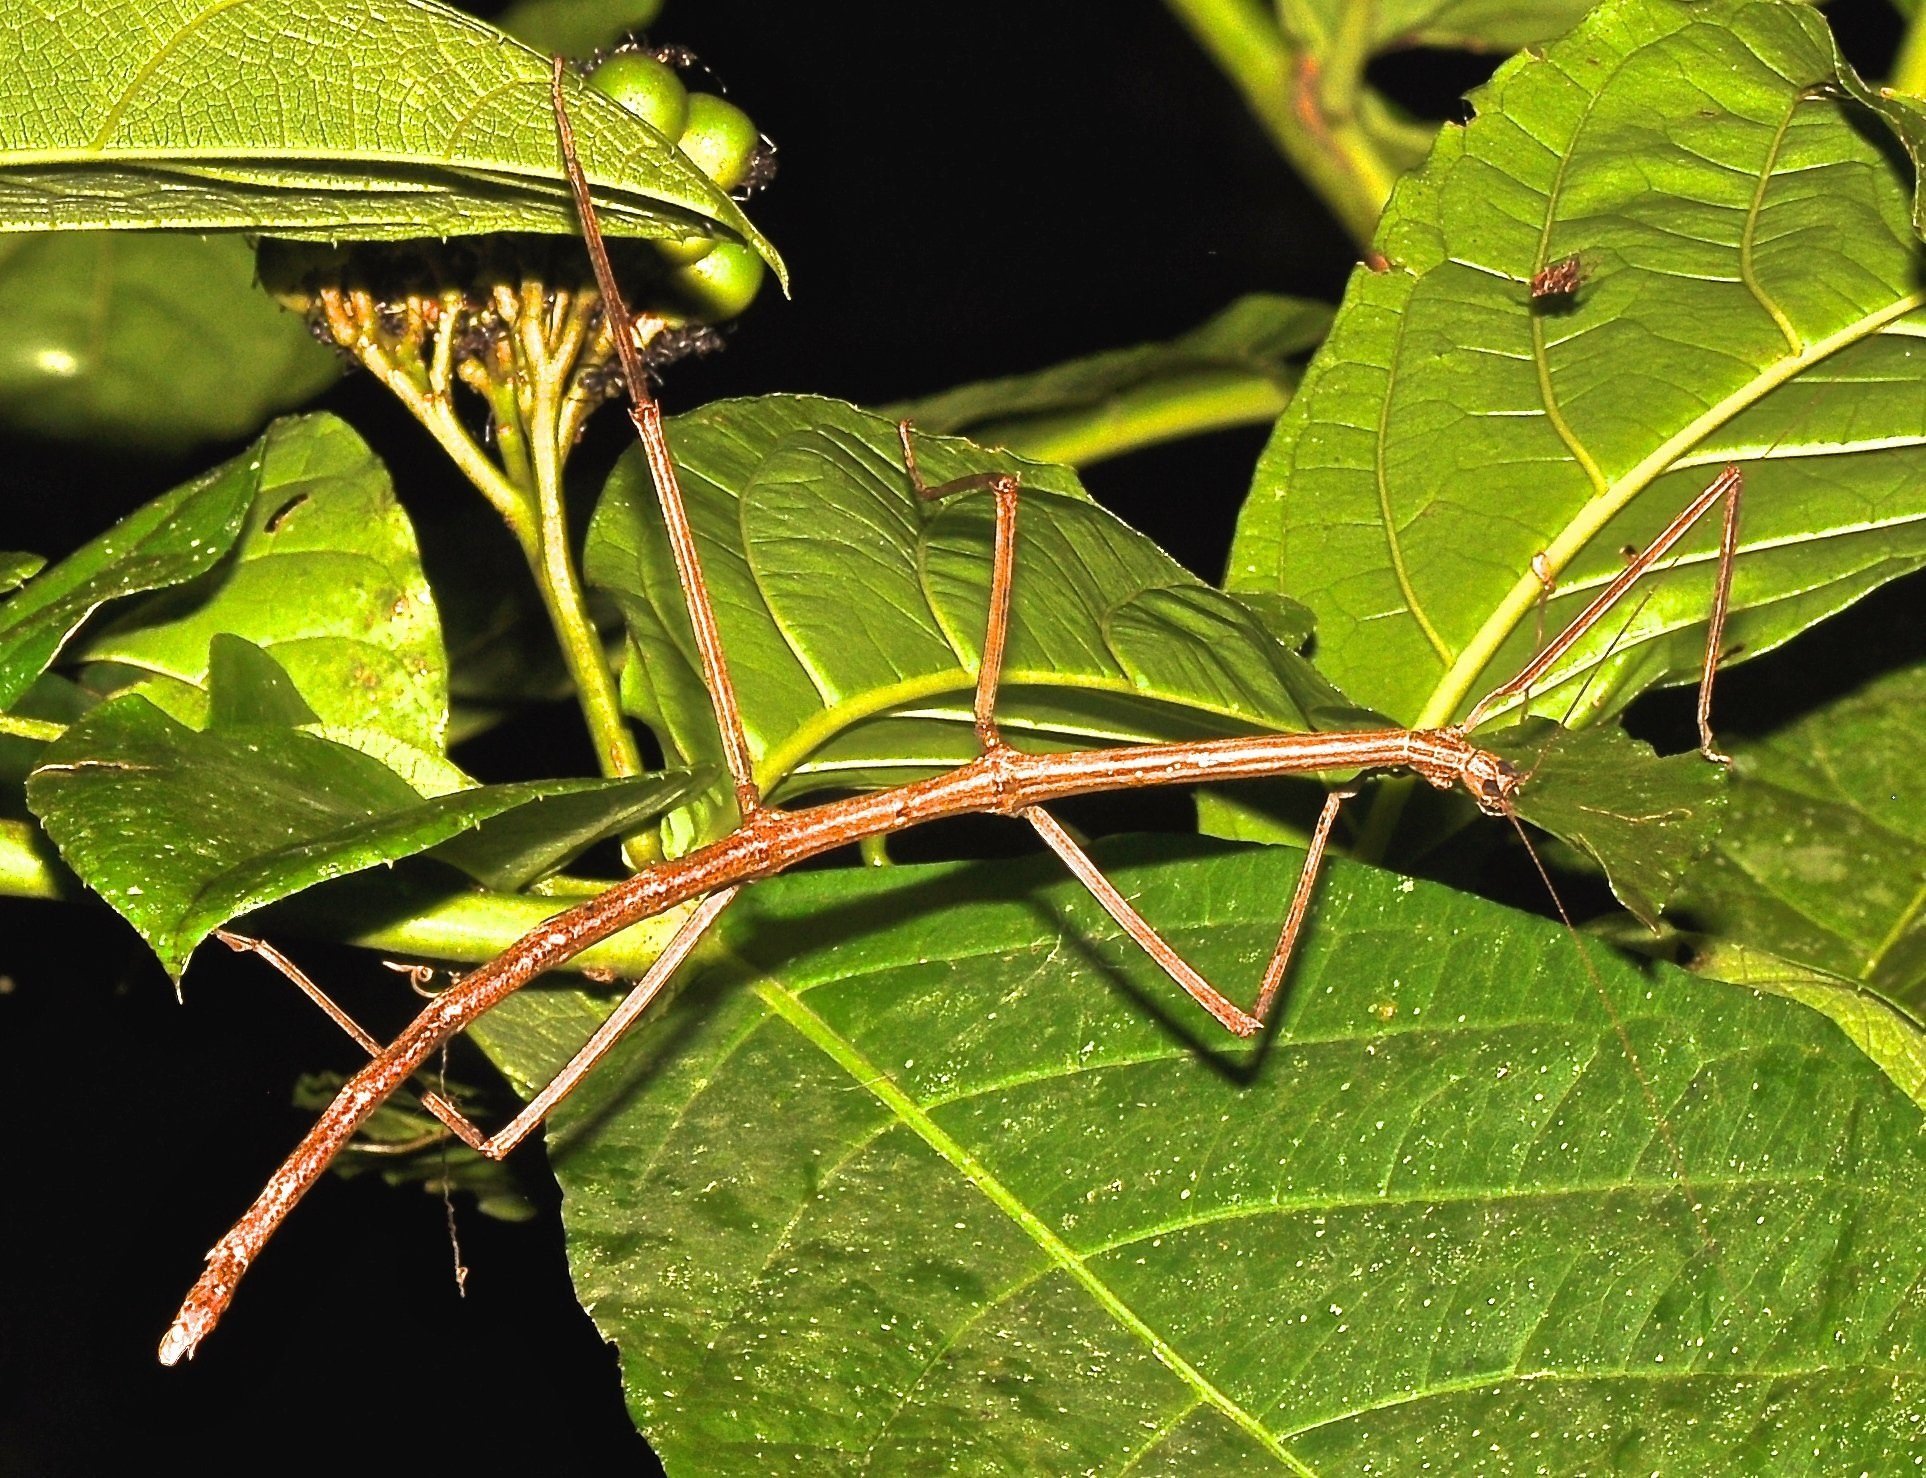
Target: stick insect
(1000, 780)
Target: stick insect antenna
(646, 413)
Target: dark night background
(964, 191)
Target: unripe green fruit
(719, 139)
(721, 284)
(647, 88)
(685, 251)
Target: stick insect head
(1491, 781)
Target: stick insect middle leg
(1004, 486)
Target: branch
(1303, 101)
(1146, 416)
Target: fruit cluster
(707, 279)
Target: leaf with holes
(1749, 293)
(176, 537)
(326, 576)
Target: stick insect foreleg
(1726, 487)
(646, 413)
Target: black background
(964, 191)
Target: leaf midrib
(846, 1055)
(1518, 603)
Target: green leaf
(156, 342)
(1823, 855)
(179, 535)
(431, 123)
(576, 27)
(1752, 296)
(1236, 369)
(326, 576)
(940, 1175)
(182, 830)
(852, 612)
(17, 569)
(1890, 1038)
(1642, 818)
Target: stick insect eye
(1491, 784)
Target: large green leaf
(381, 119)
(174, 538)
(182, 830)
(1823, 856)
(941, 1176)
(1237, 368)
(1751, 295)
(853, 613)
(150, 341)
(326, 576)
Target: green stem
(554, 566)
(1344, 60)
(1144, 416)
(1283, 85)
(1909, 67)
(436, 412)
(18, 726)
(463, 928)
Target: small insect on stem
(1000, 781)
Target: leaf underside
(853, 614)
(373, 121)
(1750, 294)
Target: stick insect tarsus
(1001, 780)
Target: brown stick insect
(1000, 780)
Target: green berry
(685, 251)
(719, 139)
(721, 284)
(647, 88)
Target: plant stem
(19, 726)
(463, 928)
(1909, 67)
(554, 565)
(1284, 85)
(1143, 416)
